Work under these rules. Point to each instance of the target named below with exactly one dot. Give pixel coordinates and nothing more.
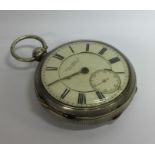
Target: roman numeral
(60, 57)
(114, 60)
(100, 95)
(81, 99)
(63, 95)
(51, 68)
(71, 49)
(103, 50)
(87, 47)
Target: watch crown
(38, 53)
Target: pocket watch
(82, 80)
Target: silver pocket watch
(82, 80)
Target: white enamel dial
(85, 73)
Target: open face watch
(83, 79)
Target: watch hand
(83, 70)
(113, 71)
(105, 80)
(66, 77)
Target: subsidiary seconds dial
(105, 81)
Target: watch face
(85, 73)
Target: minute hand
(66, 77)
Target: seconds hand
(103, 81)
(113, 71)
(84, 70)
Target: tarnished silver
(101, 113)
(104, 112)
(36, 54)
